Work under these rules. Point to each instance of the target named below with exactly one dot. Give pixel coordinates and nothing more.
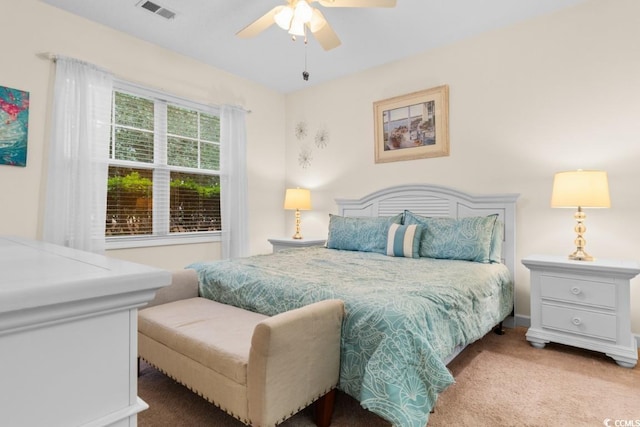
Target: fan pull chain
(305, 73)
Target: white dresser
(583, 304)
(68, 335)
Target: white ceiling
(205, 30)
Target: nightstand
(288, 242)
(584, 304)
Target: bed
(412, 302)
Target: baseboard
(525, 322)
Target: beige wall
(30, 27)
(557, 93)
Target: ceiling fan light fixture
(283, 17)
(303, 11)
(298, 18)
(297, 27)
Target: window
(164, 169)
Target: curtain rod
(48, 56)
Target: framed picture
(412, 126)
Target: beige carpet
(500, 381)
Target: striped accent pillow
(404, 240)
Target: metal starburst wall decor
(322, 137)
(301, 130)
(304, 158)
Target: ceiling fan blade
(357, 3)
(322, 31)
(260, 24)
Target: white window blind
(164, 172)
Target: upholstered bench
(259, 369)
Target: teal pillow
(495, 255)
(466, 239)
(364, 234)
(404, 240)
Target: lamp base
(297, 236)
(580, 255)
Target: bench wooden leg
(324, 409)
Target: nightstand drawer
(595, 293)
(583, 322)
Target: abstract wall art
(14, 126)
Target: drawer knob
(576, 321)
(576, 290)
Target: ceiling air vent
(156, 9)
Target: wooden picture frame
(412, 126)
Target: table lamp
(298, 199)
(580, 189)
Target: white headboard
(434, 200)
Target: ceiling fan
(298, 16)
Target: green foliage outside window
(130, 183)
(211, 190)
(194, 202)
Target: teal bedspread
(403, 316)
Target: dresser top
(36, 274)
(306, 241)
(628, 268)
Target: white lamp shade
(297, 27)
(303, 11)
(581, 188)
(283, 18)
(297, 198)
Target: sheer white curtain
(76, 195)
(233, 171)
